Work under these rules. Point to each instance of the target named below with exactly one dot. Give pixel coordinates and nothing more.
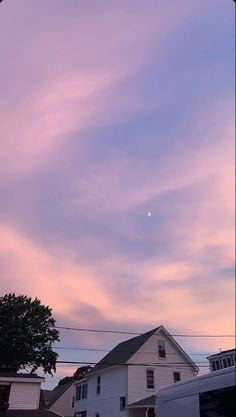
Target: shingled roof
(124, 351)
(146, 402)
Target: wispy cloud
(108, 112)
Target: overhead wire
(138, 334)
(121, 351)
(167, 365)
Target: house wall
(163, 375)
(24, 395)
(113, 386)
(63, 405)
(81, 405)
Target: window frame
(161, 348)
(176, 373)
(78, 393)
(84, 391)
(122, 403)
(148, 379)
(98, 387)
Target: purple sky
(110, 110)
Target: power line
(162, 365)
(138, 334)
(120, 351)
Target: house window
(78, 393)
(150, 378)
(73, 402)
(122, 403)
(228, 361)
(213, 366)
(84, 391)
(97, 415)
(98, 385)
(225, 363)
(176, 377)
(161, 349)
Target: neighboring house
(125, 381)
(20, 396)
(61, 399)
(222, 359)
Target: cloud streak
(108, 112)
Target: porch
(143, 408)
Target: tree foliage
(27, 332)
(80, 373)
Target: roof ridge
(118, 357)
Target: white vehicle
(210, 395)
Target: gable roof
(146, 402)
(125, 350)
(56, 393)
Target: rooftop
(146, 402)
(20, 375)
(223, 352)
(123, 351)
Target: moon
(149, 214)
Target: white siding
(113, 386)
(163, 376)
(81, 405)
(24, 395)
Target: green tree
(80, 373)
(27, 332)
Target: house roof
(51, 397)
(223, 352)
(146, 402)
(29, 413)
(20, 375)
(123, 351)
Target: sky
(117, 167)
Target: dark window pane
(78, 393)
(229, 361)
(122, 403)
(98, 385)
(150, 379)
(218, 403)
(84, 391)
(224, 363)
(161, 349)
(176, 376)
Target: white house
(20, 396)
(223, 359)
(125, 381)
